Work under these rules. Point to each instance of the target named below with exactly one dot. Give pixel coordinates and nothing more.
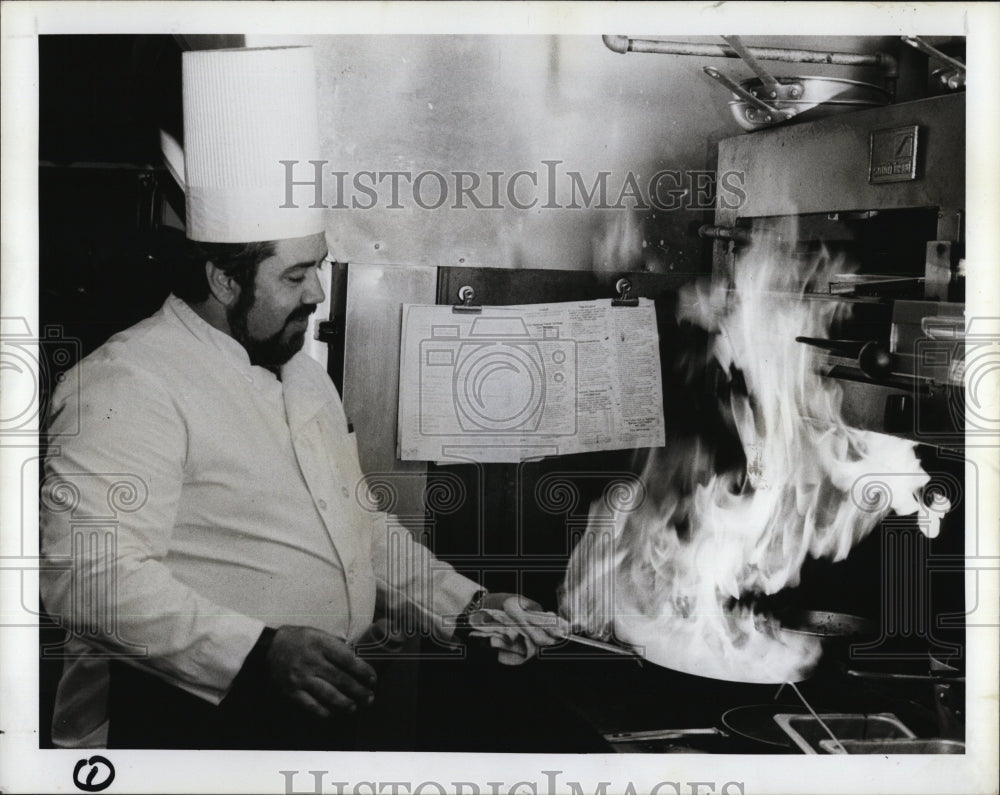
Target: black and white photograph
(499, 398)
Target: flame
(618, 246)
(668, 575)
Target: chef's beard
(273, 351)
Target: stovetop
(569, 699)
(612, 696)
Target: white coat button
(322, 505)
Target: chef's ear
(222, 285)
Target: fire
(668, 576)
(618, 245)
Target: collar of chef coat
(301, 402)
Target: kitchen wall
(505, 104)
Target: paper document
(516, 383)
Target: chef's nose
(313, 293)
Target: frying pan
(805, 97)
(826, 624)
(834, 630)
(766, 100)
(837, 632)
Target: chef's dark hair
(238, 260)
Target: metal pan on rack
(796, 97)
(766, 100)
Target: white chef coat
(243, 511)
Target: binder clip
(466, 295)
(624, 288)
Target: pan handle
(942, 676)
(661, 734)
(745, 95)
(769, 83)
(932, 52)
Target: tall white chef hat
(246, 110)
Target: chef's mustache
(302, 313)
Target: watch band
(476, 603)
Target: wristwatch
(476, 603)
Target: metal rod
(918, 386)
(880, 60)
(600, 644)
(659, 734)
(826, 728)
(846, 348)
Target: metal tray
(895, 746)
(807, 733)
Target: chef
(236, 572)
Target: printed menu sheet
(516, 383)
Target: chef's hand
(535, 627)
(318, 671)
